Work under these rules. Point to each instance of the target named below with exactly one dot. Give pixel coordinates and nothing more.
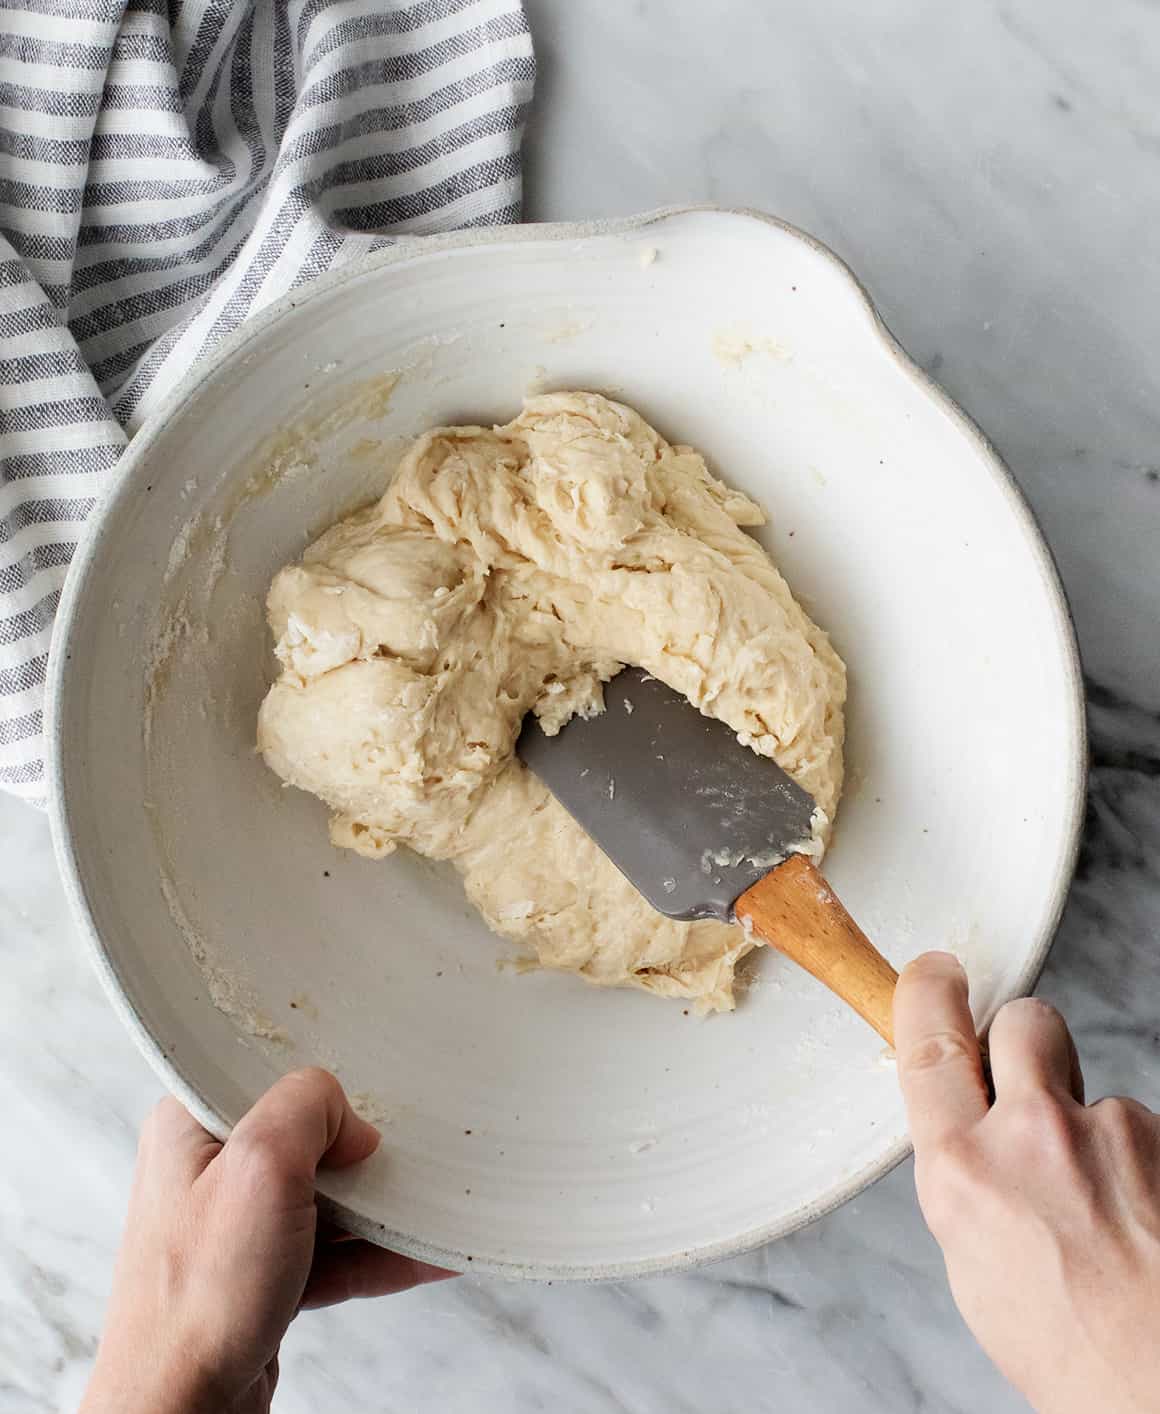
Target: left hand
(222, 1248)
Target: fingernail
(937, 961)
(950, 961)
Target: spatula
(705, 828)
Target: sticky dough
(515, 569)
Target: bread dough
(515, 569)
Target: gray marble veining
(990, 171)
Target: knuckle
(947, 1181)
(160, 1121)
(938, 1049)
(168, 1111)
(254, 1155)
(315, 1078)
(1041, 1123)
(263, 1170)
(1122, 1119)
(939, 1211)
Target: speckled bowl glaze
(535, 1126)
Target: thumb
(305, 1122)
(939, 1065)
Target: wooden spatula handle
(794, 910)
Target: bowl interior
(535, 1124)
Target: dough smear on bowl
(518, 568)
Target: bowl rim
(59, 683)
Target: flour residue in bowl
(227, 990)
(733, 346)
(185, 620)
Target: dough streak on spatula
(705, 828)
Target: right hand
(1047, 1210)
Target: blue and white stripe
(167, 168)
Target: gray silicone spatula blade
(687, 813)
(706, 828)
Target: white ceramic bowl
(536, 1126)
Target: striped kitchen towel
(167, 167)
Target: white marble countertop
(990, 172)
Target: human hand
(1047, 1210)
(222, 1248)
